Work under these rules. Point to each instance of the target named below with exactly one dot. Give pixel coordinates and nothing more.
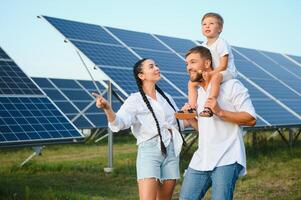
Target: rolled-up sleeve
(241, 99)
(125, 116)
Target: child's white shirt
(219, 49)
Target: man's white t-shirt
(221, 143)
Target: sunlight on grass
(76, 172)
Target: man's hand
(213, 105)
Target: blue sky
(40, 51)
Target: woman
(150, 114)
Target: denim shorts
(152, 164)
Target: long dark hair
(138, 69)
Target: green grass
(76, 172)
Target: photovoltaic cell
(3, 55)
(27, 116)
(280, 59)
(271, 66)
(81, 31)
(138, 39)
(177, 44)
(14, 81)
(166, 61)
(296, 58)
(107, 55)
(30, 120)
(74, 98)
(117, 61)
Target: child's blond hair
(216, 16)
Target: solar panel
(296, 58)
(3, 55)
(277, 70)
(271, 76)
(27, 116)
(137, 39)
(81, 31)
(14, 81)
(177, 44)
(272, 98)
(74, 98)
(286, 63)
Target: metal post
(290, 137)
(110, 134)
(37, 152)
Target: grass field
(76, 172)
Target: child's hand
(186, 107)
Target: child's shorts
(152, 164)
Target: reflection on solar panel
(74, 98)
(275, 93)
(27, 116)
(297, 59)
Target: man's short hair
(202, 51)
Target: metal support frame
(293, 135)
(110, 134)
(37, 152)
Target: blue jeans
(222, 179)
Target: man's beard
(198, 78)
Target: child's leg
(192, 94)
(216, 81)
(215, 86)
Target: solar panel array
(27, 116)
(74, 98)
(271, 78)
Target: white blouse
(135, 114)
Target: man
(220, 157)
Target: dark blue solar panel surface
(267, 108)
(81, 31)
(166, 61)
(125, 78)
(280, 59)
(27, 116)
(3, 55)
(180, 80)
(177, 44)
(14, 81)
(32, 120)
(74, 97)
(116, 61)
(138, 39)
(275, 69)
(107, 55)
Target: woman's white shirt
(134, 114)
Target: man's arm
(240, 118)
